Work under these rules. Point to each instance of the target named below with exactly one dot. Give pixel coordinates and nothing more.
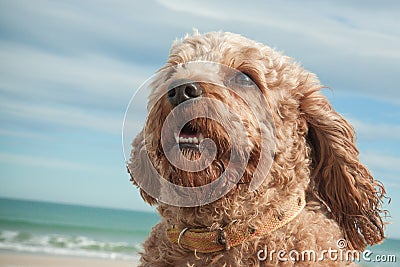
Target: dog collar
(204, 240)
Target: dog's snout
(181, 90)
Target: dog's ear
(340, 180)
(140, 170)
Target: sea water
(71, 230)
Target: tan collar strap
(204, 240)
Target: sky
(68, 70)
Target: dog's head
(235, 114)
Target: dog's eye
(243, 80)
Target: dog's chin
(187, 178)
(190, 151)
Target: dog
(284, 168)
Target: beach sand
(30, 260)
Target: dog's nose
(181, 90)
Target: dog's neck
(209, 239)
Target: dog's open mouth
(189, 137)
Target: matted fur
(315, 152)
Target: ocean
(80, 231)
(71, 230)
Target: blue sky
(69, 68)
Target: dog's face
(226, 106)
(209, 119)
(205, 120)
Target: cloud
(381, 163)
(26, 72)
(66, 116)
(339, 16)
(376, 131)
(44, 162)
(331, 25)
(24, 135)
(90, 92)
(77, 28)
(348, 46)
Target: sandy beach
(29, 260)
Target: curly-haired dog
(314, 193)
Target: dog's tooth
(201, 137)
(193, 140)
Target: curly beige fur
(315, 153)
